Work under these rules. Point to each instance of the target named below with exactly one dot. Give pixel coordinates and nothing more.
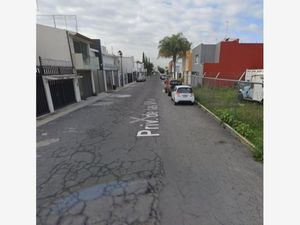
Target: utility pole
(53, 16)
(121, 54)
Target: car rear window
(185, 90)
(175, 82)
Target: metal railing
(54, 67)
(68, 22)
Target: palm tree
(174, 46)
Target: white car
(141, 77)
(183, 93)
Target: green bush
(244, 129)
(226, 117)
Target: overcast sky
(136, 26)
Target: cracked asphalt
(93, 169)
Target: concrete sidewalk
(73, 107)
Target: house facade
(127, 68)
(187, 67)
(68, 68)
(226, 61)
(110, 69)
(57, 81)
(234, 58)
(201, 54)
(86, 64)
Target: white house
(69, 64)
(54, 65)
(86, 63)
(110, 69)
(127, 68)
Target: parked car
(183, 93)
(141, 77)
(170, 84)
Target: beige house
(187, 67)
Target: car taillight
(177, 94)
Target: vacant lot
(245, 117)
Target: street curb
(44, 119)
(226, 126)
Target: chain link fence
(196, 80)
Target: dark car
(170, 85)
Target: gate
(86, 89)
(41, 100)
(62, 92)
(101, 80)
(109, 83)
(130, 77)
(117, 80)
(98, 81)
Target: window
(197, 59)
(175, 82)
(80, 47)
(185, 90)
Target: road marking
(146, 133)
(47, 142)
(70, 130)
(149, 120)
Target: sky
(137, 26)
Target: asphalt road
(135, 158)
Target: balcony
(89, 63)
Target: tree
(174, 46)
(143, 60)
(160, 69)
(147, 64)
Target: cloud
(136, 26)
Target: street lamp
(121, 54)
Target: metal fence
(54, 67)
(68, 22)
(196, 80)
(41, 100)
(250, 89)
(62, 90)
